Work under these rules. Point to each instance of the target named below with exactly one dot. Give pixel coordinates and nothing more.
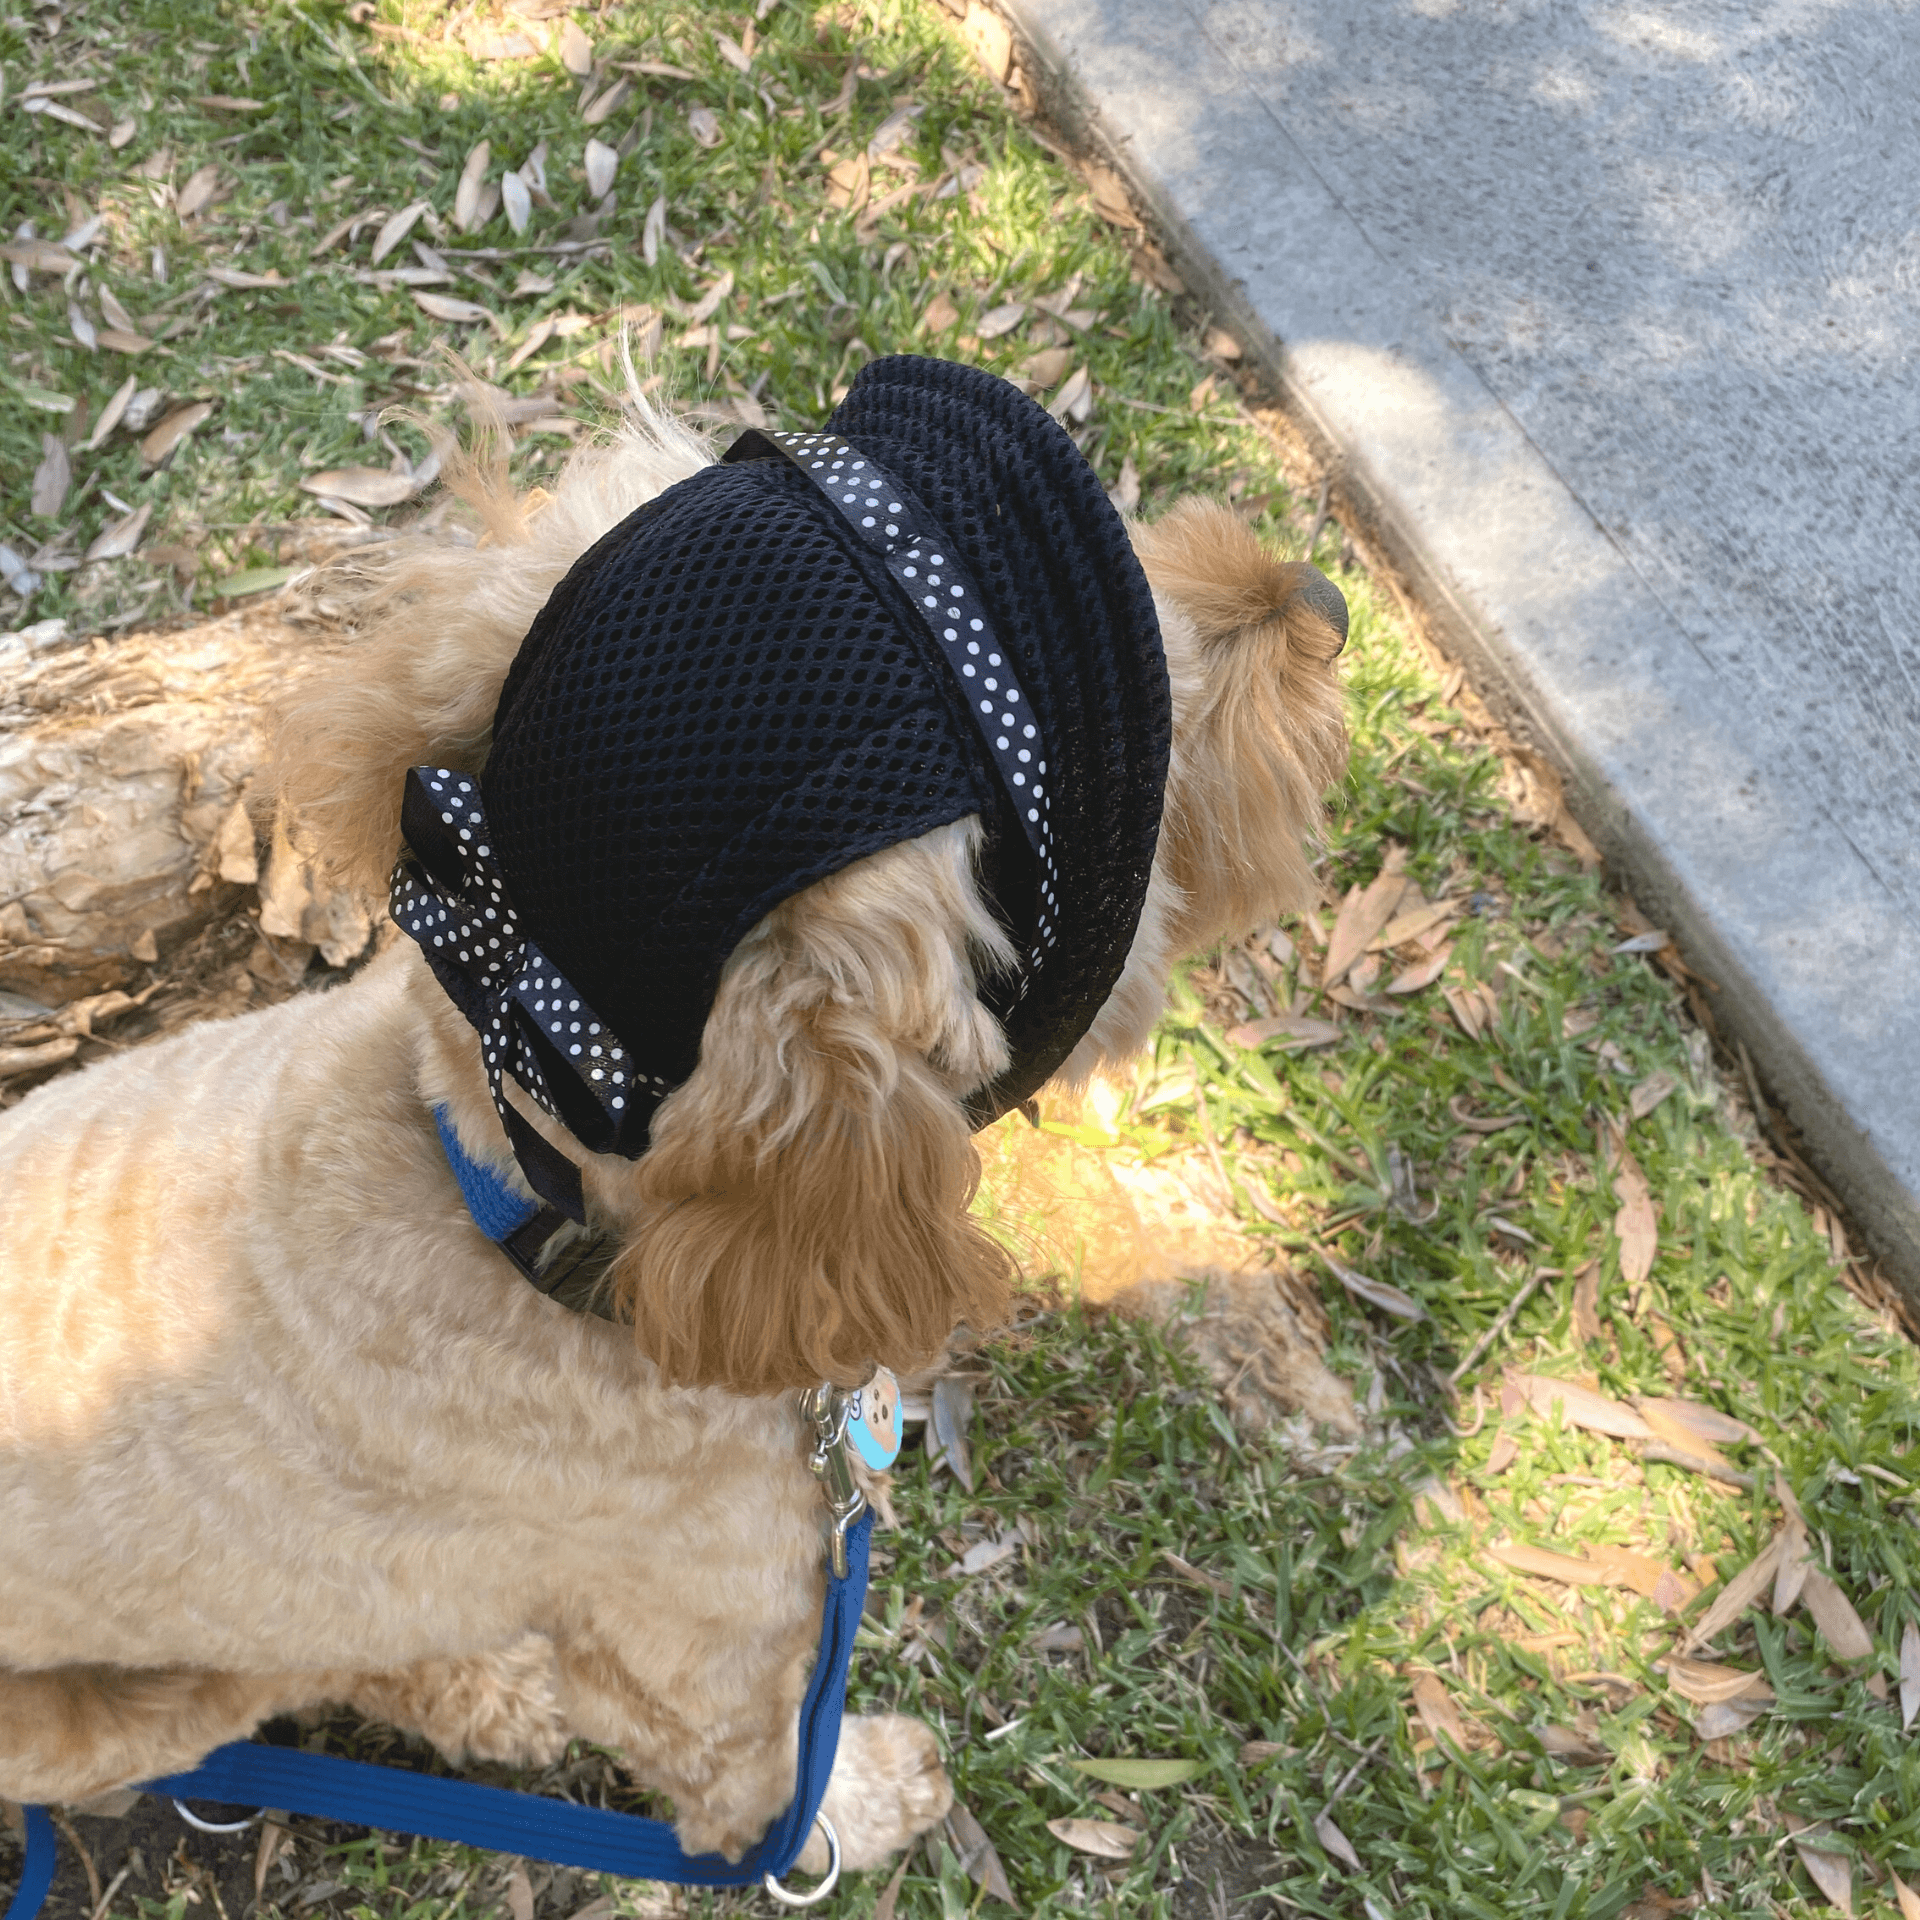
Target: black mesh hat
(824, 645)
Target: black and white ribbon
(886, 519)
(449, 896)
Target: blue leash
(503, 1821)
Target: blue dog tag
(874, 1424)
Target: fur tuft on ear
(802, 1211)
(438, 624)
(1258, 734)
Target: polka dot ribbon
(448, 895)
(886, 519)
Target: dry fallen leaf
(712, 300)
(888, 1904)
(1105, 1839)
(239, 277)
(1377, 1293)
(1737, 1595)
(1364, 912)
(1586, 1301)
(938, 315)
(1074, 401)
(1002, 319)
(1650, 1578)
(395, 229)
(1567, 1743)
(733, 53)
(1110, 198)
(1634, 1225)
(602, 163)
(540, 334)
(1422, 973)
(1581, 1406)
(444, 307)
(1411, 924)
(172, 430)
(1650, 1092)
(976, 1852)
(1293, 1030)
(1833, 1613)
(1436, 1709)
(1125, 492)
(120, 539)
(111, 414)
(575, 49)
(1909, 1674)
(51, 477)
(198, 191)
(1700, 1423)
(654, 231)
(704, 124)
(1481, 1123)
(1569, 1569)
(1335, 1842)
(989, 40)
(363, 486)
(1708, 1682)
(517, 200)
(1908, 1899)
(1048, 367)
(952, 1414)
(600, 109)
(1831, 1872)
(1792, 1563)
(519, 1893)
(466, 196)
(1475, 1006)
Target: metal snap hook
(192, 1819)
(814, 1895)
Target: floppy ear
(1258, 733)
(437, 625)
(802, 1211)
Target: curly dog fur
(278, 1426)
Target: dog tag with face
(874, 1424)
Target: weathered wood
(129, 817)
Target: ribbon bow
(449, 895)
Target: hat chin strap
(449, 896)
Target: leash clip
(829, 1409)
(863, 1420)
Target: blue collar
(522, 1228)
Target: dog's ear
(802, 1211)
(1258, 732)
(434, 629)
(435, 626)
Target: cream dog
(279, 1426)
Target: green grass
(357, 121)
(1343, 1586)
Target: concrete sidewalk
(1604, 318)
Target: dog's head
(801, 1207)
